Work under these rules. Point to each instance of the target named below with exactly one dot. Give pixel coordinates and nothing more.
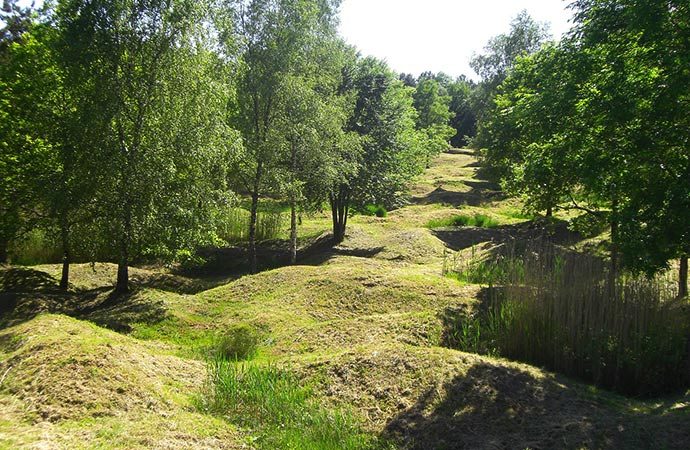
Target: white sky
(414, 36)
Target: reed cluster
(563, 310)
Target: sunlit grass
(278, 410)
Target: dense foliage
(599, 123)
(131, 129)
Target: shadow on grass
(119, 311)
(26, 293)
(233, 262)
(476, 196)
(554, 231)
(22, 279)
(505, 407)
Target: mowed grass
(345, 302)
(71, 384)
(348, 353)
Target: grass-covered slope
(70, 384)
(362, 323)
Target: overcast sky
(438, 35)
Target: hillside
(363, 323)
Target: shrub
(277, 408)
(240, 342)
(375, 210)
(477, 220)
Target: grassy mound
(79, 381)
(436, 398)
(358, 329)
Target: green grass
(234, 224)
(278, 410)
(375, 210)
(36, 247)
(461, 220)
(240, 342)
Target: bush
(557, 309)
(273, 404)
(375, 210)
(477, 220)
(240, 342)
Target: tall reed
(234, 225)
(559, 309)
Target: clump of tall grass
(561, 310)
(233, 225)
(481, 270)
(240, 342)
(277, 408)
(375, 210)
(477, 220)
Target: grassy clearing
(279, 411)
(359, 329)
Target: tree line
(599, 123)
(127, 125)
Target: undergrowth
(234, 225)
(279, 412)
(375, 210)
(240, 342)
(477, 220)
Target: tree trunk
(66, 257)
(293, 207)
(293, 233)
(122, 284)
(549, 211)
(683, 277)
(339, 212)
(4, 254)
(253, 263)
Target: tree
(310, 132)
(598, 117)
(29, 84)
(464, 118)
(153, 113)
(392, 150)
(531, 137)
(433, 115)
(526, 36)
(648, 42)
(42, 109)
(15, 21)
(274, 37)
